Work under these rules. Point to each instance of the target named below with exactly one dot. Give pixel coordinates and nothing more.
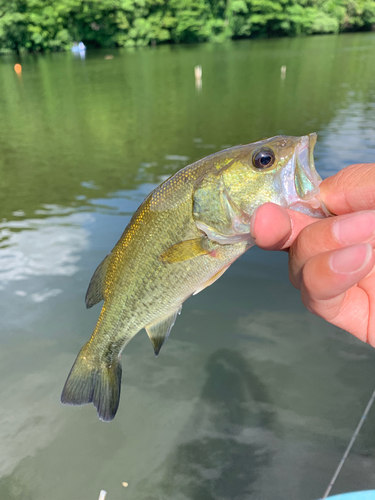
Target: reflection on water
(37, 247)
(351, 138)
(228, 451)
(252, 397)
(29, 413)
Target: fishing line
(354, 437)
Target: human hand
(331, 260)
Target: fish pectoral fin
(209, 282)
(186, 250)
(95, 291)
(159, 330)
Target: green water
(252, 398)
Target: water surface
(252, 398)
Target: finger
(368, 286)
(328, 287)
(329, 234)
(275, 228)
(350, 190)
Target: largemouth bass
(181, 239)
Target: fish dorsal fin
(186, 250)
(159, 330)
(95, 291)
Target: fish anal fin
(95, 291)
(209, 282)
(186, 250)
(159, 330)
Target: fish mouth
(304, 195)
(306, 178)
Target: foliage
(37, 25)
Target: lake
(252, 397)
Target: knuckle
(294, 275)
(299, 254)
(303, 249)
(307, 303)
(308, 279)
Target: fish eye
(264, 158)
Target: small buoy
(283, 72)
(198, 77)
(125, 485)
(18, 69)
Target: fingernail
(352, 259)
(355, 229)
(252, 221)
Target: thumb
(275, 228)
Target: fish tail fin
(94, 381)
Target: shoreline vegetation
(54, 25)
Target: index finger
(350, 190)
(327, 235)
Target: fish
(182, 238)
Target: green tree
(38, 25)
(13, 25)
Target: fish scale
(182, 238)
